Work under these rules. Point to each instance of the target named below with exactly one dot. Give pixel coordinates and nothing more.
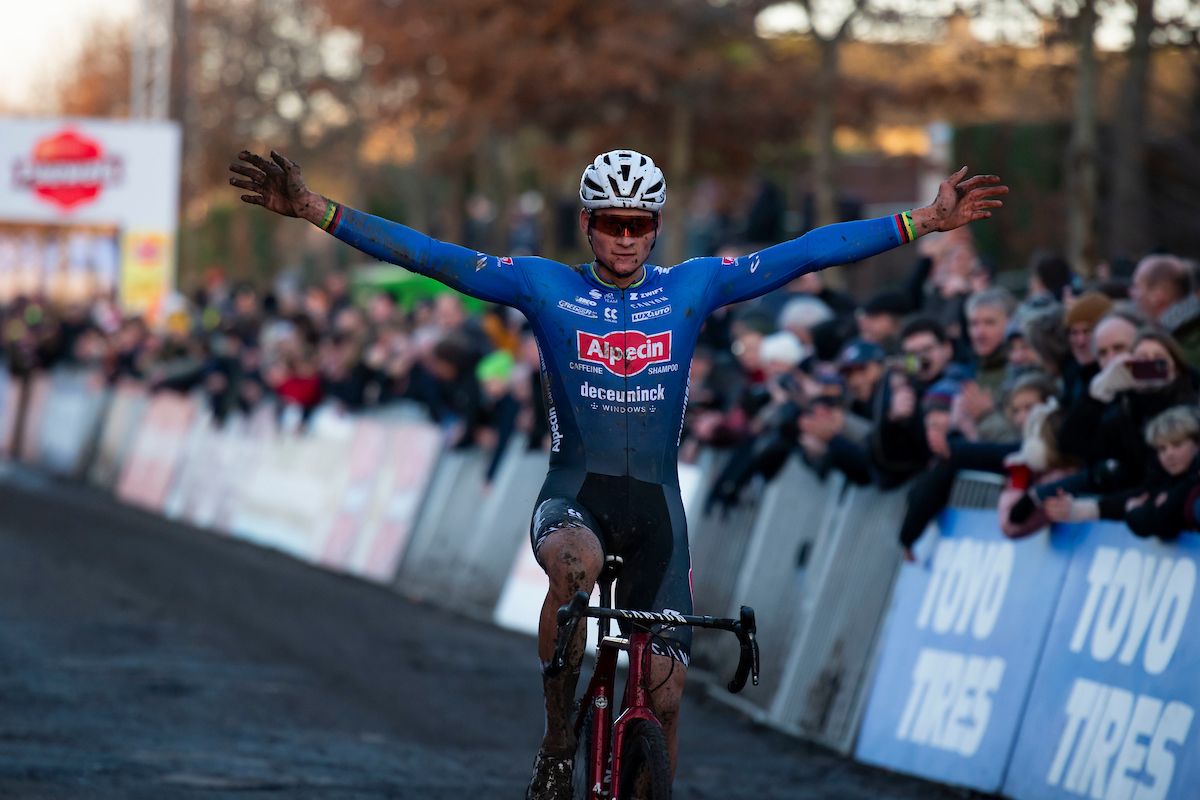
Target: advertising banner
(296, 485)
(121, 421)
(962, 642)
(386, 530)
(86, 203)
(1111, 713)
(157, 451)
(10, 397)
(368, 453)
(71, 420)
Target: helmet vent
(623, 179)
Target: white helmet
(623, 179)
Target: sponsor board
(624, 353)
(962, 643)
(67, 168)
(99, 199)
(1112, 710)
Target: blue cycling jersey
(615, 363)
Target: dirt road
(144, 659)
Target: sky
(39, 36)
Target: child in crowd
(1160, 510)
(1039, 461)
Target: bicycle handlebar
(744, 628)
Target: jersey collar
(602, 282)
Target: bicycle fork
(604, 779)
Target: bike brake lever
(568, 617)
(748, 662)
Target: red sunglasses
(614, 225)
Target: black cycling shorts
(641, 522)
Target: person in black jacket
(898, 446)
(1160, 510)
(1107, 429)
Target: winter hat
(1090, 308)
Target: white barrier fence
(378, 497)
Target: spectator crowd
(1085, 395)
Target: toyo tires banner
(960, 649)
(88, 205)
(1112, 710)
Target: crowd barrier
(1055, 666)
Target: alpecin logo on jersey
(625, 352)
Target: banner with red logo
(86, 204)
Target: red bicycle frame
(607, 736)
(604, 780)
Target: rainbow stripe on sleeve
(904, 226)
(333, 215)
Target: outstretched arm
(278, 186)
(958, 202)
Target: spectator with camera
(1106, 429)
(898, 446)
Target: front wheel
(583, 752)
(645, 763)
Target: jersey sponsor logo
(575, 365)
(480, 261)
(584, 301)
(556, 436)
(664, 368)
(595, 294)
(624, 352)
(610, 315)
(755, 260)
(654, 301)
(644, 295)
(642, 316)
(580, 310)
(636, 394)
(728, 262)
(506, 260)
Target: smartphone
(1151, 370)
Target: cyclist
(616, 338)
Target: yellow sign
(147, 272)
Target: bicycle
(616, 755)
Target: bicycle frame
(634, 705)
(607, 734)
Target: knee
(572, 559)
(668, 695)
